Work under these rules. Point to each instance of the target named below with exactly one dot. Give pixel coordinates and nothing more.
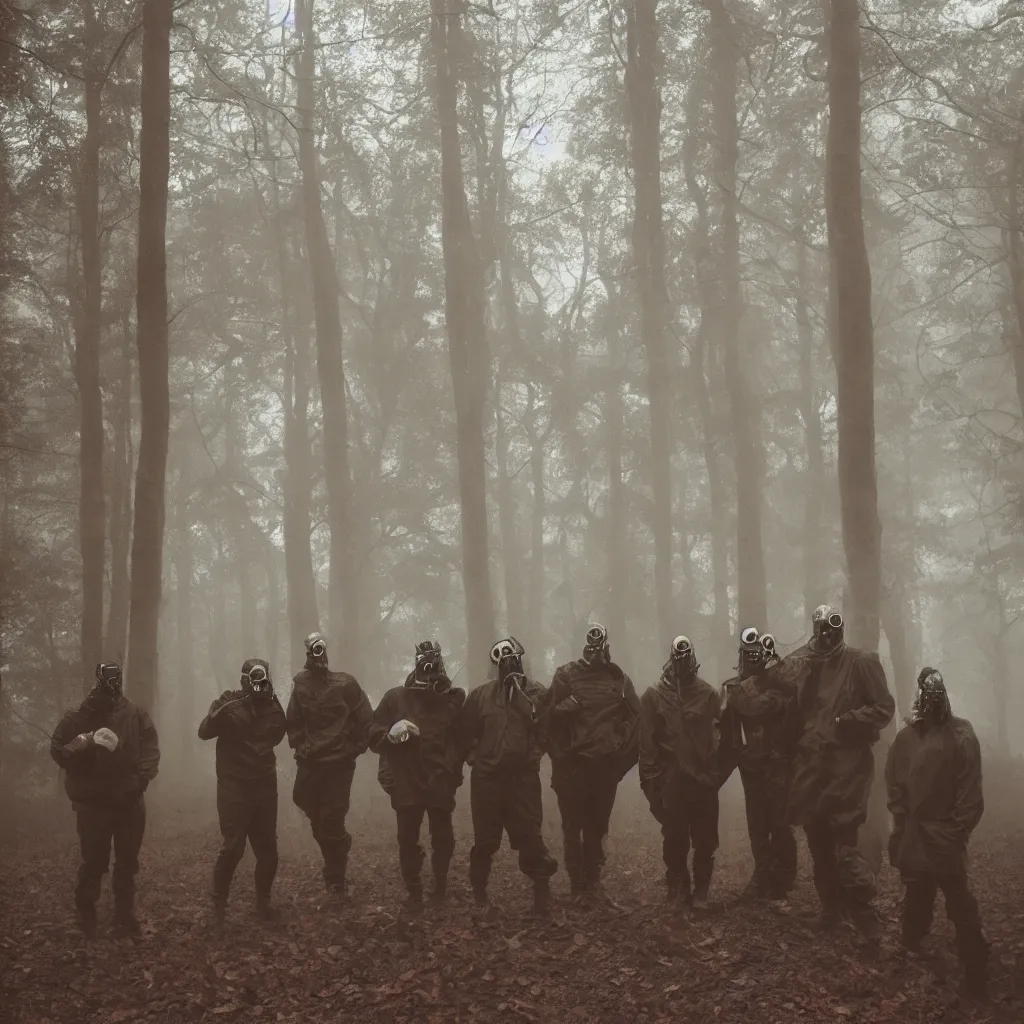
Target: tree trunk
(643, 94)
(121, 505)
(343, 590)
(88, 329)
(752, 588)
(854, 343)
(151, 317)
(467, 339)
(183, 569)
(508, 516)
(536, 633)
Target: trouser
(507, 800)
(688, 815)
(322, 791)
(410, 853)
(99, 825)
(841, 874)
(586, 789)
(772, 842)
(246, 814)
(961, 909)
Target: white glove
(105, 738)
(402, 730)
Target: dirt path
(734, 964)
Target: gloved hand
(81, 742)
(105, 738)
(402, 730)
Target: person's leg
(523, 822)
(600, 800)
(758, 831)
(335, 842)
(569, 785)
(95, 831)
(822, 847)
(972, 946)
(486, 799)
(410, 853)
(129, 829)
(442, 848)
(234, 811)
(263, 840)
(675, 842)
(704, 836)
(918, 908)
(783, 856)
(856, 879)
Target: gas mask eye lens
(749, 635)
(835, 621)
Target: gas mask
(752, 652)
(682, 658)
(109, 682)
(256, 679)
(932, 701)
(596, 650)
(828, 630)
(429, 672)
(507, 656)
(316, 650)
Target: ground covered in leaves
(368, 962)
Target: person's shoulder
(706, 687)
(231, 695)
(344, 679)
(963, 729)
(534, 686)
(456, 695)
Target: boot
(755, 890)
(414, 899)
(829, 918)
(86, 913)
(702, 882)
(480, 895)
(975, 983)
(542, 897)
(439, 893)
(265, 910)
(866, 921)
(125, 922)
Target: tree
(467, 331)
(151, 318)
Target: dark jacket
(247, 729)
(933, 776)
(758, 721)
(595, 714)
(328, 717)
(96, 775)
(425, 770)
(503, 727)
(844, 704)
(679, 735)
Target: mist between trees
(436, 319)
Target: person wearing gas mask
(248, 724)
(413, 731)
(844, 704)
(593, 740)
(501, 733)
(109, 750)
(679, 771)
(756, 729)
(328, 720)
(933, 778)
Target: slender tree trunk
(508, 516)
(752, 586)
(854, 348)
(1016, 254)
(183, 570)
(536, 633)
(643, 94)
(88, 330)
(467, 338)
(895, 613)
(121, 505)
(343, 591)
(150, 484)
(239, 522)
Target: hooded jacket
(328, 717)
(501, 726)
(844, 704)
(96, 775)
(678, 734)
(595, 714)
(933, 778)
(246, 729)
(425, 770)
(758, 720)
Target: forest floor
(366, 962)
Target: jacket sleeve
(149, 750)
(649, 769)
(467, 726)
(865, 724)
(383, 719)
(630, 750)
(62, 736)
(969, 805)
(362, 720)
(214, 722)
(538, 696)
(748, 700)
(559, 697)
(896, 792)
(294, 721)
(280, 724)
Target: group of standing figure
(800, 729)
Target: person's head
(256, 679)
(316, 650)
(507, 657)
(109, 682)
(751, 652)
(429, 672)
(828, 628)
(682, 658)
(596, 650)
(932, 701)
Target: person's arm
(969, 804)
(629, 752)
(149, 751)
(648, 758)
(559, 696)
(362, 719)
(865, 723)
(467, 725)
(280, 723)
(294, 719)
(66, 745)
(383, 718)
(753, 702)
(213, 724)
(896, 792)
